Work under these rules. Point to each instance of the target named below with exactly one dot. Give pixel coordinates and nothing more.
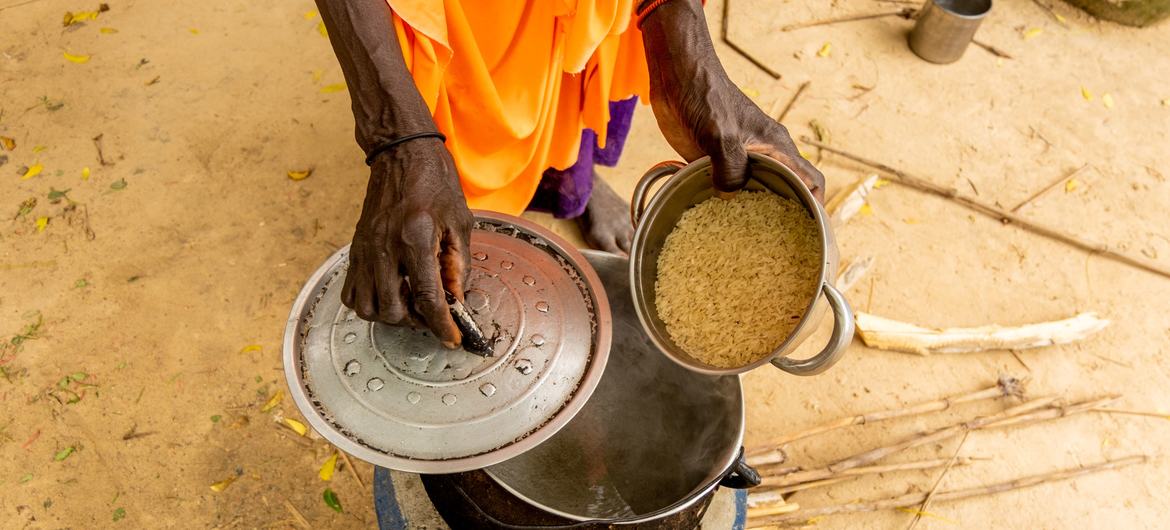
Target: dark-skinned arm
(412, 239)
(700, 111)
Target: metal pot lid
(395, 397)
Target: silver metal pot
(691, 184)
(653, 440)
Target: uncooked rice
(736, 275)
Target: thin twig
(97, 142)
(1007, 386)
(996, 212)
(791, 102)
(913, 499)
(1058, 411)
(1048, 9)
(992, 49)
(352, 470)
(770, 482)
(905, 12)
(735, 47)
(18, 4)
(1152, 414)
(1048, 188)
(933, 489)
(296, 515)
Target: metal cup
(945, 28)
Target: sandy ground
(160, 335)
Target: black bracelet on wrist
(391, 144)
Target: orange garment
(513, 83)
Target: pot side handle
(741, 475)
(842, 335)
(655, 174)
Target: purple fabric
(564, 192)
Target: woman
(505, 105)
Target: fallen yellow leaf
(33, 171)
(38, 148)
(1060, 19)
(317, 75)
(194, 31)
(751, 92)
(326, 472)
(223, 484)
(1086, 94)
(108, 31)
(296, 426)
(1071, 185)
(310, 15)
(825, 50)
(82, 16)
(273, 401)
(321, 29)
(79, 59)
(42, 222)
(866, 209)
(300, 175)
(85, 173)
(910, 221)
(8, 143)
(804, 155)
(1107, 99)
(250, 348)
(335, 87)
(1032, 33)
(880, 183)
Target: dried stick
(735, 47)
(1048, 188)
(774, 509)
(1048, 9)
(772, 456)
(906, 13)
(352, 470)
(1058, 411)
(992, 49)
(938, 435)
(813, 475)
(799, 90)
(296, 515)
(914, 499)
(1006, 386)
(1159, 415)
(996, 212)
(933, 489)
(888, 334)
(792, 488)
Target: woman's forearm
(677, 42)
(386, 104)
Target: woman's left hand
(701, 112)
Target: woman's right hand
(412, 241)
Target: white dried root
(886, 334)
(846, 203)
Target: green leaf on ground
(119, 184)
(331, 500)
(27, 477)
(119, 514)
(216, 418)
(63, 454)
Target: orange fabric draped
(512, 84)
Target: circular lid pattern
(395, 397)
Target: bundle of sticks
(767, 506)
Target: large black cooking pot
(648, 449)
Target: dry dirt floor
(144, 296)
